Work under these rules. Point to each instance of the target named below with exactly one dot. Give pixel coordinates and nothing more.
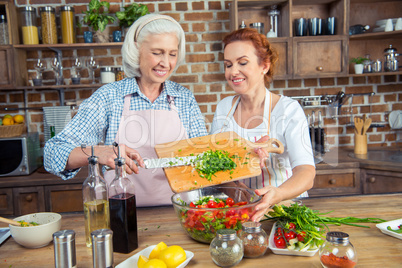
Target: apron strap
(230, 113)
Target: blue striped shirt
(98, 119)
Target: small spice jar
(30, 34)
(107, 74)
(337, 251)
(119, 73)
(226, 248)
(48, 23)
(67, 24)
(254, 238)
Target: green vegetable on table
(312, 222)
(398, 231)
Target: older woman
(138, 112)
(256, 114)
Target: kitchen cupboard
(342, 180)
(14, 72)
(325, 55)
(380, 181)
(305, 56)
(40, 192)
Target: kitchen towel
(55, 119)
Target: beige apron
(141, 131)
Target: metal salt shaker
(64, 249)
(102, 248)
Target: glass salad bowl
(202, 212)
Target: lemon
(173, 256)
(19, 119)
(8, 121)
(8, 116)
(141, 261)
(155, 252)
(155, 263)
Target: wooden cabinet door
(28, 200)
(6, 74)
(379, 181)
(64, 198)
(319, 56)
(336, 182)
(283, 68)
(6, 201)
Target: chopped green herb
(245, 163)
(210, 162)
(195, 182)
(217, 142)
(245, 148)
(159, 226)
(191, 154)
(236, 139)
(179, 150)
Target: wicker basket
(11, 130)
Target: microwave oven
(20, 155)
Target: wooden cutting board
(185, 178)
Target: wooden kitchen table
(374, 249)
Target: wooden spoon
(13, 222)
(359, 125)
(366, 125)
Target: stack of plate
(381, 25)
(57, 118)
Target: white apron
(141, 131)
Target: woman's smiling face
(243, 71)
(158, 57)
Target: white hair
(139, 31)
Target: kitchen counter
(374, 249)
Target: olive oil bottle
(96, 202)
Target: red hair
(265, 52)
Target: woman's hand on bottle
(106, 155)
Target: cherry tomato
(192, 205)
(301, 236)
(229, 202)
(221, 204)
(290, 235)
(280, 243)
(212, 204)
(292, 225)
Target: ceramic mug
(300, 27)
(88, 37)
(117, 36)
(330, 26)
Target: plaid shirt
(98, 119)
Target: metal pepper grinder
(391, 62)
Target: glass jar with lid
(226, 248)
(48, 23)
(29, 29)
(337, 251)
(254, 238)
(119, 73)
(67, 24)
(3, 30)
(107, 74)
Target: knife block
(360, 144)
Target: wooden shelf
(375, 74)
(379, 35)
(70, 46)
(83, 86)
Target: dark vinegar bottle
(123, 212)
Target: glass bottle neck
(93, 170)
(121, 172)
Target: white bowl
(36, 236)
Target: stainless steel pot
(391, 62)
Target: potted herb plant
(130, 14)
(358, 64)
(97, 18)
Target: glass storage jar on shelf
(48, 23)
(3, 30)
(29, 29)
(337, 251)
(67, 24)
(254, 238)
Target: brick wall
(205, 24)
